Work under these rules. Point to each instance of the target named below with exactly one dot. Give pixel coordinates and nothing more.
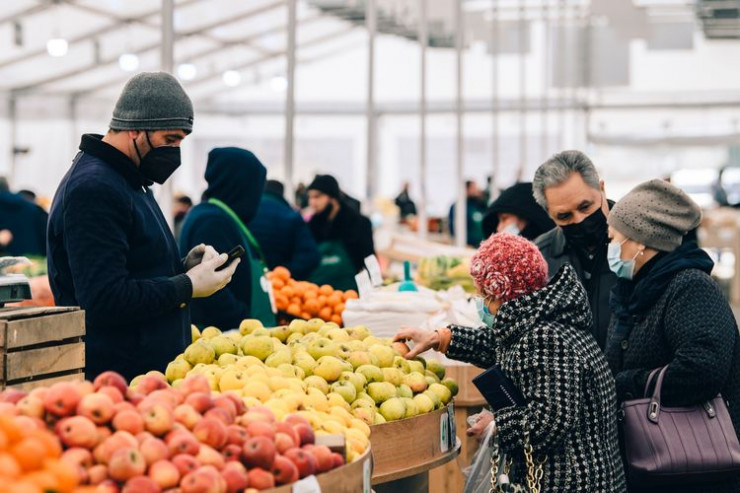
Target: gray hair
(558, 169)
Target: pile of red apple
(160, 439)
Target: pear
(346, 390)
(384, 354)
(227, 359)
(200, 352)
(404, 391)
(358, 380)
(317, 382)
(452, 385)
(194, 333)
(437, 368)
(329, 368)
(259, 347)
(381, 391)
(248, 326)
(411, 408)
(281, 333)
(393, 376)
(400, 363)
(393, 409)
(223, 345)
(322, 347)
(424, 403)
(371, 372)
(177, 370)
(210, 332)
(442, 392)
(280, 357)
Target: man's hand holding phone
(214, 272)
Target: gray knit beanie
(656, 214)
(153, 101)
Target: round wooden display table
(404, 451)
(467, 402)
(351, 478)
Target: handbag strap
(654, 407)
(650, 379)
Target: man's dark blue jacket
(284, 236)
(112, 253)
(236, 177)
(26, 221)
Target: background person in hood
(516, 212)
(568, 187)
(475, 207)
(22, 224)
(344, 236)
(236, 179)
(283, 234)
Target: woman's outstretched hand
(423, 340)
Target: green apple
(372, 340)
(402, 364)
(298, 326)
(424, 403)
(294, 338)
(358, 380)
(371, 372)
(343, 350)
(177, 370)
(436, 367)
(365, 414)
(260, 332)
(357, 345)
(329, 368)
(200, 352)
(194, 333)
(291, 371)
(232, 380)
(247, 361)
(393, 376)
(338, 335)
(432, 375)
(452, 385)
(416, 366)
(313, 325)
(442, 392)
(317, 382)
(434, 398)
(411, 408)
(359, 332)
(210, 332)
(404, 390)
(381, 391)
(223, 345)
(306, 363)
(378, 419)
(346, 390)
(227, 359)
(384, 354)
(281, 357)
(359, 358)
(393, 409)
(322, 347)
(259, 347)
(416, 381)
(363, 400)
(248, 326)
(282, 333)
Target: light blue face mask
(512, 229)
(484, 313)
(624, 269)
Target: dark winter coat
(518, 200)
(237, 178)
(27, 223)
(112, 253)
(350, 227)
(474, 210)
(542, 342)
(284, 236)
(554, 247)
(674, 314)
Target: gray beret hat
(656, 214)
(153, 101)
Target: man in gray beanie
(110, 250)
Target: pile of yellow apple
(339, 379)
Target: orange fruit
(282, 273)
(281, 302)
(306, 316)
(336, 319)
(23, 486)
(333, 300)
(44, 479)
(326, 290)
(30, 453)
(12, 430)
(270, 275)
(9, 467)
(66, 475)
(288, 292)
(351, 295)
(311, 306)
(294, 309)
(339, 309)
(326, 314)
(51, 442)
(299, 290)
(295, 300)
(322, 301)
(3, 440)
(278, 284)
(310, 294)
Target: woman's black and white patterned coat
(542, 341)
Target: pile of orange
(30, 458)
(307, 300)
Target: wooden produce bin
(404, 451)
(351, 478)
(449, 478)
(41, 346)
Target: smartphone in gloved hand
(234, 254)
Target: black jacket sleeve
(360, 243)
(224, 305)
(96, 219)
(474, 345)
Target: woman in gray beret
(669, 312)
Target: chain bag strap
(500, 475)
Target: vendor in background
(344, 236)
(538, 334)
(180, 208)
(406, 206)
(236, 179)
(22, 223)
(474, 210)
(283, 235)
(111, 251)
(515, 211)
(568, 187)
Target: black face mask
(589, 233)
(159, 164)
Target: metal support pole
(370, 21)
(522, 91)
(496, 129)
(13, 117)
(290, 100)
(461, 233)
(167, 62)
(545, 143)
(423, 41)
(564, 68)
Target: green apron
(260, 303)
(336, 267)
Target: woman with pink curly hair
(538, 335)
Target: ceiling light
(187, 71)
(279, 83)
(128, 62)
(57, 47)
(232, 78)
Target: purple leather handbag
(680, 444)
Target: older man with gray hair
(568, 187)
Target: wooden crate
(41, 345)
(351, 478)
